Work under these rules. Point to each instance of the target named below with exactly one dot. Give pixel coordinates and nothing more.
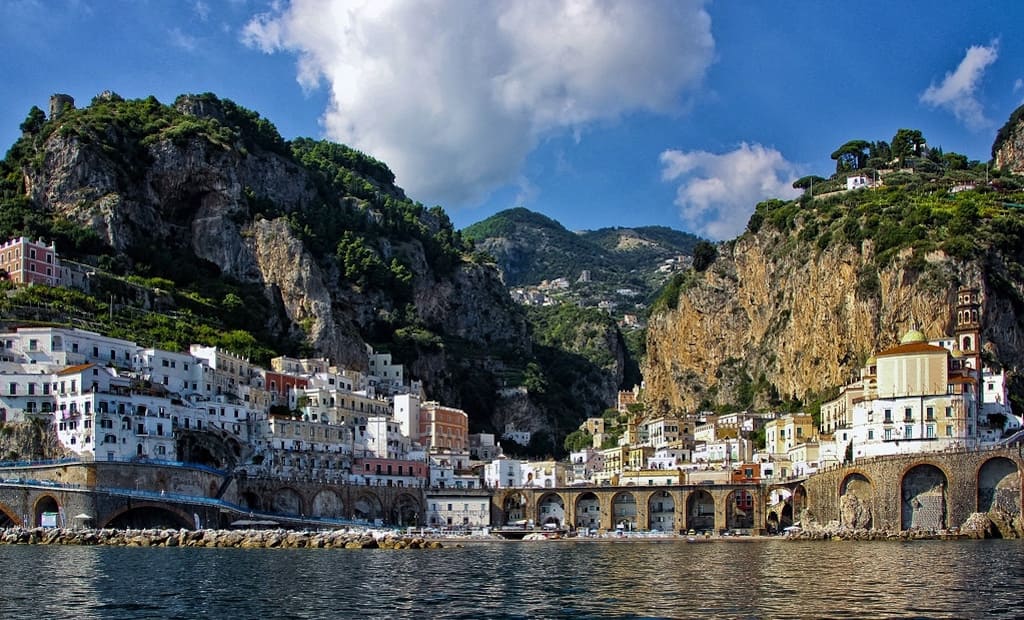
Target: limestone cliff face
(197, 195)
(777, 313)
(1008, 148)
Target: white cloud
(956, 93)
(717, 193)
(453, 96)
(182, 40)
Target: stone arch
(588, 510)
(251, 500)
(327, 503)
(799, 501)
(368, 507)
(287, 500)
(406, 510)
(999, 486)
(8, 518)
(739, 510)
(661, 511)
(551, 510)
(624, 512)
(700, 511)
(514, 507)
(856, 499)
(924, 501)
(148, 515)
(45, 503)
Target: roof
(73, 370)
(912, 348)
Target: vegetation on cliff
(198, 222)
(817, 284)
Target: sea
(753, 578)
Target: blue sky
(595, 113)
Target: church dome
(913, 336)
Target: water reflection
(520, 580)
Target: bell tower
(968, 326)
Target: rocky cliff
(338, 255)
(793, 308)
(1008, 148)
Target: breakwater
(242, 539)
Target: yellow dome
(871, 361)
(913, 336)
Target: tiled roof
(911, 348)
(72, 370)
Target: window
(949, 412)
(949, 430)
(888, 415)
(871, 434)
(930, 431)
(13, 388)
(908, 414)
(930, 413)
(908, 432)
(888, 434)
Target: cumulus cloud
(956, 92)
(454, 96)
(717, 193)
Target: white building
(59, 347)
(503, 473)
(451, 509)
(25, 391)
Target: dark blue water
(750, 579)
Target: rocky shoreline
(239, 539)
(980, 525)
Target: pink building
(30, 262)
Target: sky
(596, 113)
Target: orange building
(443, 427)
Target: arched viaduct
(673, 508)
(393, 505)
(926, 491)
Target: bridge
(668, 508)
(929, 491)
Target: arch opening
(368, 508)
(514, 507)
(661, 511)
(46, 512)
(999, 486)
(588, 511)
(407, 511)
(624, 511)
(856, 498)
(328, 504)
(739, 510)
(700, 511)
(924, 500)
(551, 510)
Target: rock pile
(244, 539)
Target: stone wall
(929, 491)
